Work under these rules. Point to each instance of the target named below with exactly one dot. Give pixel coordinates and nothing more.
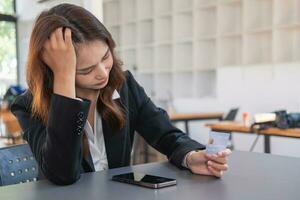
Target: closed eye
(106, 56)
(87, 71)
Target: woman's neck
(91, 95)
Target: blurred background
(191, 56)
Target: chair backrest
(231, 114)
(17, 165)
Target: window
(8, 45)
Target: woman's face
(94, 62)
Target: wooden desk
(240, 128)
(195, 116)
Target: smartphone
(144, 180)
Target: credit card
(218, 141)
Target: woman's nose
(101, 72)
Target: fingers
(217, 166)
(220, 157)
(215, 172)
(59, 36)
(53, 40)
(217, 159)
(68, 37)
(224, 153)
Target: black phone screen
(145, 180)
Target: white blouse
(96, 141)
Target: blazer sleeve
(57, 146)
(154, 125)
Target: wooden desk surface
(194, 116)
(239, 127)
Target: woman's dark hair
(85, 27)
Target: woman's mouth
(101, 83)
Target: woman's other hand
(199, 162)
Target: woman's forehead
(90, 53)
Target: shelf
(258, 48)
(111, 17)
(147, 82)
(259, 30)
(205, 54)
(287, 46)
(289, 26)
(258, 14)
(179, 44)
(163, 86)
(163, 29)
(116, 34)
(205, 23)
(145, 9)
(182, 81)
(224, 35)
(205, 3)
(209, 37)
(128, 36)
(222, 2)
(183, 26)
(145, 58)
(230, 16)
(129, 58)
(183, 56)
(162, 7)
(145, 32)
(182, 5)
(287, 12)
(128, 13)
(230, 51)
(206, 83)
(163, 57)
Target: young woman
(81, 110)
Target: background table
(187, 117)
(251, 176)
(267, 133)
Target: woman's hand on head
(202, 163)
(59, 53)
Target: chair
(17, 165)
(231, 117)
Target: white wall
(254, 89)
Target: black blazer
(57, 147)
